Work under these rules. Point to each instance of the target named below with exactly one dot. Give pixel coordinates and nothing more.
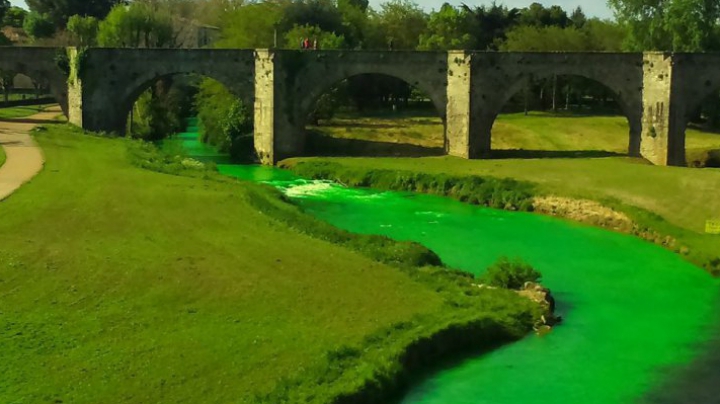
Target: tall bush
(510, 274)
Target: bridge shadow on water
(695, 383)
(548, 154)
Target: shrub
(510, 274)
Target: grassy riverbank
(539, 133)
(120, 284)
(668, 200)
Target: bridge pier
(664, 118)
(277, 135)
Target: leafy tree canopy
(59, 11)
(669, 25)
(14, 16)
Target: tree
(314, 13)
(398, 24)
(252, 26)
(538, 16)
(137, 25)
(38, 25)
(14, 17)
(59, 11)
(4, 8)
(325, 40)
(7, 78)
(448, 28)
(84, 30)
(669, 25)
(578, 18)
(491, 24)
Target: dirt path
(24, 157)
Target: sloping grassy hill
(123, 285)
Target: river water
(635, 314)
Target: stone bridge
(657, 92)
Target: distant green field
(124, 285)
(537, 131)
(20, 112)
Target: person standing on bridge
(306, 43)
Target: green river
(635, 314)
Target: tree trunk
(567, 98)
(554, 94)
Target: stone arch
(39, 64)
(129, 95)
(301, 77)
(619, 73)
(113, 79)
(313, 84)
(632, 113)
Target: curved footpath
(24, 159)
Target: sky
(592, 8)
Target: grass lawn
(2, 156)
(21, 112)
(123, 285)
(537, 131)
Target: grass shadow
(545, 154)
(321, 145)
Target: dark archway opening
(702, 133)
(208, 120)
(561, 116)
(374, 115)
(22, 95)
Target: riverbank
(538, 134)
(127, 285)
(659, 204)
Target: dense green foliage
(487, 191)
(59, 11)
(510, 274)
(221, 304)
(38, 25)
(84, 30)
(14, 17)
(138, 25)
(225, 122)
(4, 8)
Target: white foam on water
(315, 188)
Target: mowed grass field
(21, 112)
(122, 285)
(537, 131)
